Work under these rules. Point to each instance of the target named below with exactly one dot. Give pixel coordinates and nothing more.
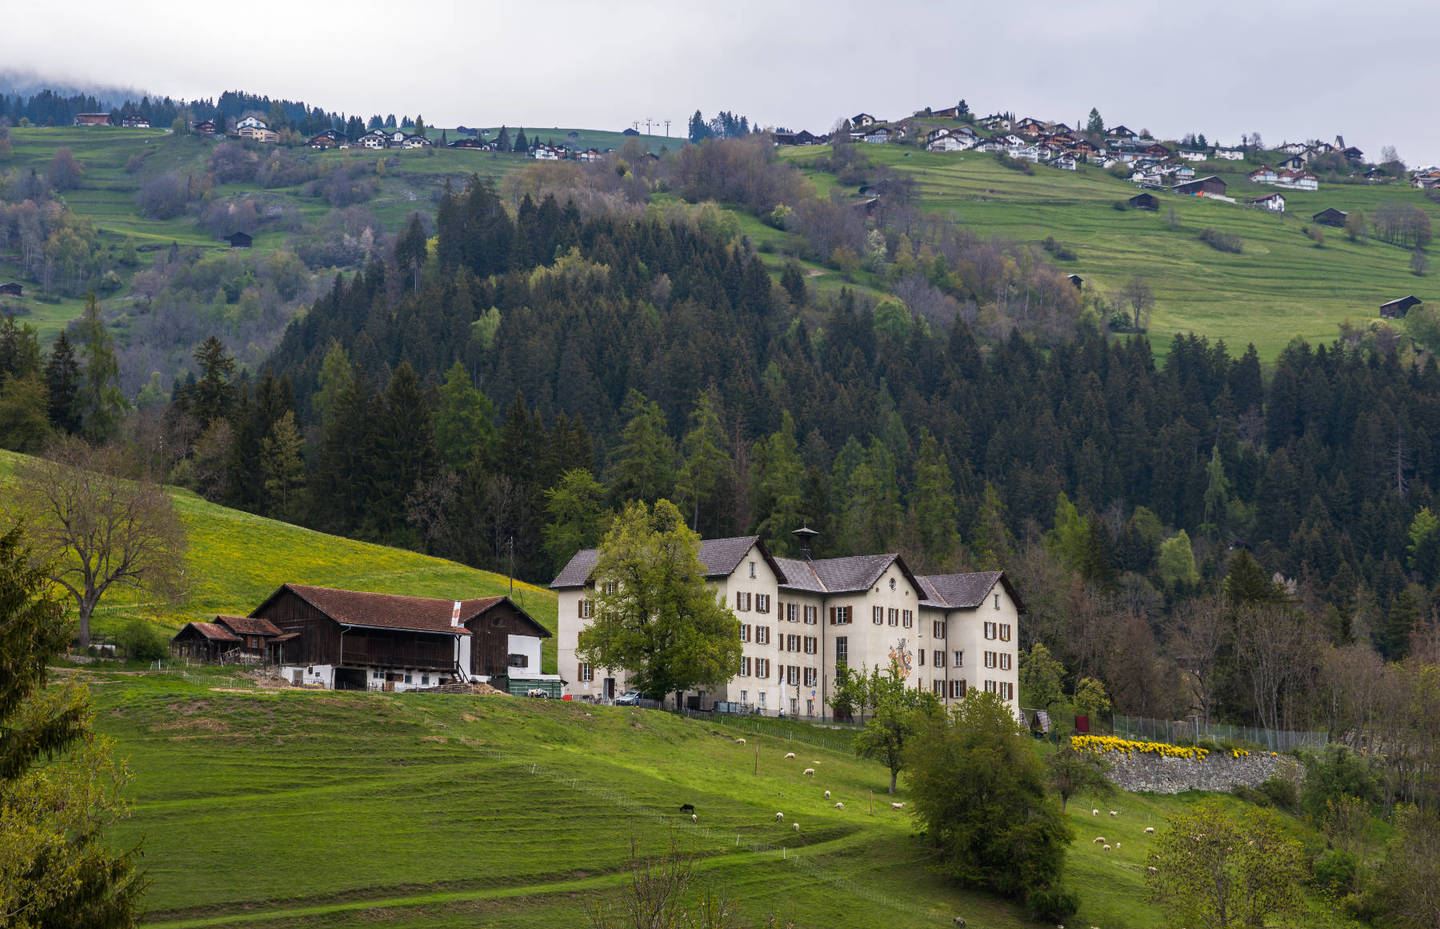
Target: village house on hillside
(350, 640)
(801, 618)
(1275, 203)
(1331, 217)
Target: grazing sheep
(1099, 840)
(1104, 848)
(1149, 830)
(809, 771)
(1113, 813)
(1094, 812)
(1153, 870)
(839, 804)
(779, 817)
(739, 741)
(1117, 844)
(898, 806)
(687, 807)
(797, 826)
(694, 818)
(789, 756)
(827, 795)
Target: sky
(1285, 69)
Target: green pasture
(315, 809)
(236, 559)
(1281, 286)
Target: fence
(1189, 731)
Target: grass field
(1280, 287)
(235, 560)
(318, 809)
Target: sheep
(809, 771)
(789, 756)
(827, 795)
(1105, 848)
(797, 826)
(1099, 840)
(1153, 870)
(897, 806)
(687, 807)
(694, 818)
(960, 921)
(1149, 830)
(1094, 812)
(839, 804)
(1117, 844)
(779, 817)
(1113, 813)
(739, 741)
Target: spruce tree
(706, 463)
(282, 466)
(100, 400)
(62, 381)
(643, 467)
(464, 420)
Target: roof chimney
(805, 534)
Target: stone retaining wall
(1219, 771)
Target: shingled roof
(386, 611)
(718, 558)
(965, 591)
(248, 625)
(212, 631)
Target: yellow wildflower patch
(1105, 744)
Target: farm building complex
(802, 618)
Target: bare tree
(1275, 647)
(1137, 294)
(96, 530)
(1195, 643)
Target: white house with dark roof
(802, 618)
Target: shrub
(1015, 164)
(1051, 903)
(1336, 871)
(1334, 774)
(142, 641)
(163, 196)
(1281, 792)
(1222, 241)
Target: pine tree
(282, 465)
(778, 486)
(706, 463)
(644, 463)
(932, 505)
(464, 421)
(336, 376)
(793, 280)
(213, 395)
(100, 401)
(62, 381)
(405, 448)
(522, 146)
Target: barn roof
(247, 625)
(212, 631)
(386, 611)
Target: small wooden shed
(240, 240)
(1396, 309)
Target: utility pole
(511, 544)
(667, 128)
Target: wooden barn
(1144, 202)
(233, 638)
(349, 639)
(1330, 217)
(1202, 187)
(1396, 309)
(12, 289)
(240, 240)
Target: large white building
(801, 617)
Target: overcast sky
(1286, 69)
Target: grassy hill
(430, 810)
(237, 559)
(1279, 287)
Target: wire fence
(1190, 731)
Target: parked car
(628, 698)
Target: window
(839, 615)
(587, 608)
(762, 635)
(794, 641)
(842, 649)
(587, 673)
(939, 688)
(894, 616)
(997, 601)
(762, 603)
(920, 657)
(990, 630)
(519, 661)
(939, 658)
(752, 569)
(878, 613)
(742, 601)
(960, 658)
(744, 669)
(744, 697)
(792, 675)
(762, 669)
(791, 612)
(424, 680)
(907, 618)
(1004, 661)
(812, 645)
(812, 677)
(812, 615)
(608, 587)
(957, 689)
(744, 632)
(939, 628)
(1004, 632)
(989, 659)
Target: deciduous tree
(900, 711)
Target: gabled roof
(966, 591)
(718, 558)
(1409, 301)
(486, 604)
(211, 631)
(385, 611)
(247, 625)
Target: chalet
(1330, 217)
(799, 619)
(1263, 175)
(92, 119)
(375, 138)
(258, 134)
(233, 639)
(1083, 146)
(1293, 148)
(1144, 202)
(1275, 203)
(1396, 309)
(1298, 180)
(862, 121)
(1375, 174)
(1192, 155)
(1156, 150)
(949, 142)
(251, 122)
(203, 127)
(1119, 132)
(350, 640)
(879, 134)
(11, 289)
(1353, 155)
(1210, 186)
(470, 143)
(1425, 181)
(996, 123)
(240, 240)
(546, 153)
(992, 144)
(325, 140)
(588, 156)
(412, 140)
(1030, 126)
(1064, 163)
(1230, 154)
(135, 122)
(1181, 172)
(1293, 163)
(950, 112)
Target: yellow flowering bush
(1102, 744)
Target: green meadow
(1281, 286)
(235, 560)
(317, 809)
